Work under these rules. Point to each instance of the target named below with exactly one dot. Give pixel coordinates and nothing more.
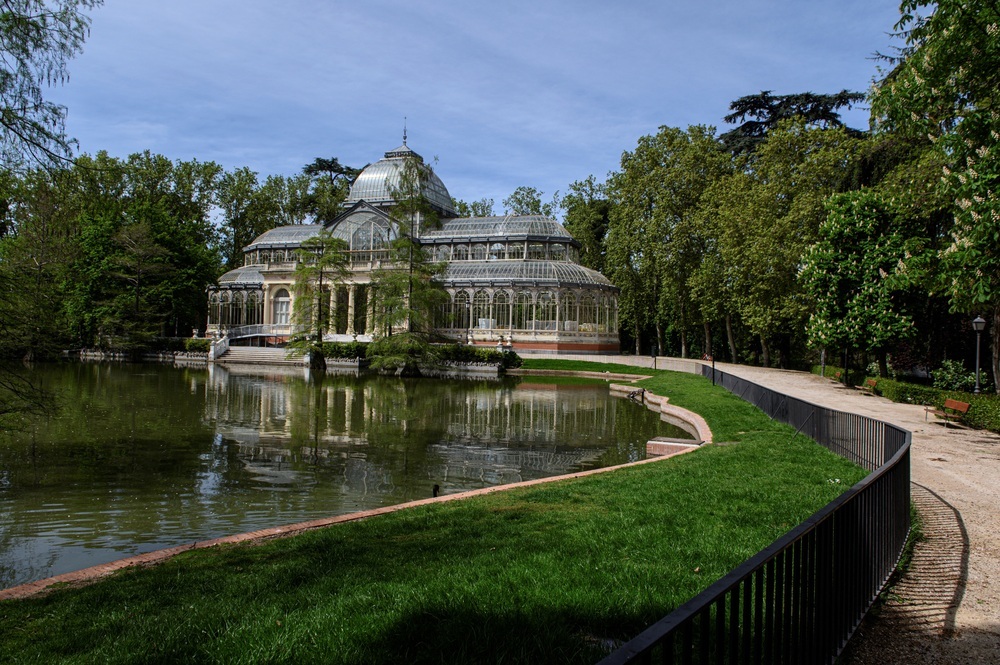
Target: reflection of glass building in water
(512, 277)
(383, 435)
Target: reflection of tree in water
(409, 431)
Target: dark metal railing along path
(800, 599)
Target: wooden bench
(870, 385)
(953, 411)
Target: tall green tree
(587, 215)
(322, 264)
(37, 40)
(408, 290)
(759, 114)
(945, 88)
(329, 184)
(651, 249)
(528, 201)
(766, 215)
(480, 208)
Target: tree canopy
(37, 40)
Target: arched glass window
(213, 309)
(536, 251)
(281, 308)
(479, 252)
(253, 308)
(515, 251)
(557, 252)
(239, 305)
(462, 310)
(481, 317)
(501, 309)
(443, 253)
(460, 253)
(225, 316)
(588, 313)
(568, 308)
(545, 311)
(522, 311)
(497, 252)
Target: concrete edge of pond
(78, 578)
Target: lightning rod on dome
(404, 130)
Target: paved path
(947, 608)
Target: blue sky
(502, 93)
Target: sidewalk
(947, 608)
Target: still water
(141, 457)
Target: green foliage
(480, 208)
(761, 113)
(464, 353)
(322, 264)
(908, 393)
(197, 345)
(37, 40)
(952, 375)
(587, 216)
(345, 350)
(944, 88)
(528, 201)
(855, 273)
(407, 288)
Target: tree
(528, 201)
(37, 40)
(322, 259)
(945, 88)
(407, 291)
(759, 114)
(856, 275)
(766, 215)
(480, 208)
(329, 185)
(650, 250)
(587, 214)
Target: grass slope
(541, 574)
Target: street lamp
(978, 324)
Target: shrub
(908, 393)
(345, 350)
(466, 354)
(952, 375)
(197, 344)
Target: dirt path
(947, 608)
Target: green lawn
(540, 574)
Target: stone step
(260, 355)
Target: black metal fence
(800, 599)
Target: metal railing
(800, 599)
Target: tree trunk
(659, 339)
(883, 363)
(730, 339)
(638, 340)
(684, 343)
(708, 338)
(765, 357)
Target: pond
(141, 457)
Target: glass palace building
(511, 279)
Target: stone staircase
(257, 355)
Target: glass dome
(284, 236)
(377, 181)
(509, 226)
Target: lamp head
(978, 324)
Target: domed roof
(377, 181)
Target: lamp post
(978, 324)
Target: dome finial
(404, 130)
